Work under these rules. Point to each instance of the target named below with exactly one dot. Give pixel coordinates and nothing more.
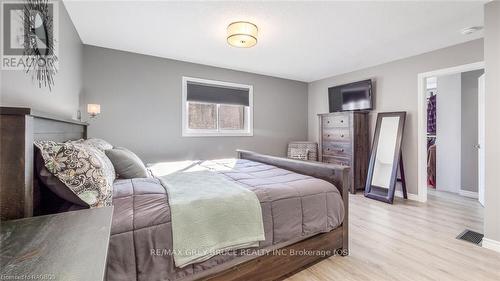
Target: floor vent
(471, 236)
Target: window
(213, 108)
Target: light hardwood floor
(410, 241)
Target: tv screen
(349, 97)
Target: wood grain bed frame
(21, 195)
(20, 192)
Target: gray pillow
(127, 164)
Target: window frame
(248, 112)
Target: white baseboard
(467, 193)
(491, 244)
(411, 196)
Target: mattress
(294, 207)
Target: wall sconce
(93, 109)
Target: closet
(452, 133)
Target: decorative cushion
(299, 153)
(84, 169)
(127, 164)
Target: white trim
(467, 193)
(481, 116)
(422, 121)
(491, 244)
(411, 196)
(248, 132)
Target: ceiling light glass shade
(242, 34)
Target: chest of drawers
(344, 140)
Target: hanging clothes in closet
(431, 166)
(431, 114)
(431, 138)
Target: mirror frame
(376, 192)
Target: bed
(304, 209)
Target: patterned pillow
(84, 169)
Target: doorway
(424, 137)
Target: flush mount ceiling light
(470, 30)
(242, 34)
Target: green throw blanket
(210, 214)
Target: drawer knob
(328, 122)
(342, 136)
(328, 135)
(341, 121)
(342, 150)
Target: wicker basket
(305, 148)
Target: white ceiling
(303, 41)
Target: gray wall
(448, 132)
(18, 90)
(492, 129)
(140, 99)
(396, 89)
(469, 136)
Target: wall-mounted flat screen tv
(349, 97)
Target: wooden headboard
(19, 128)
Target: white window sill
(217, 134)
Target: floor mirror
(386, 158)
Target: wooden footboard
(291, 259)
(335, 174)
(286, 261)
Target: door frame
(422, 120)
